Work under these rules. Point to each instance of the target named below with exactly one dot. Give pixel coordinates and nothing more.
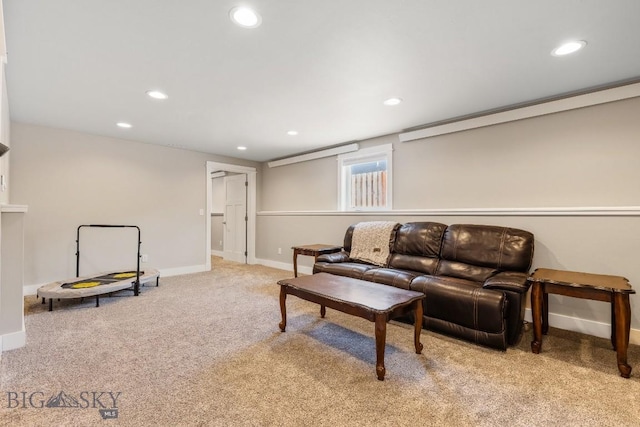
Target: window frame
(379, 152)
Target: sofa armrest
(509, 281)
(334, 257)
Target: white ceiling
(320, 67)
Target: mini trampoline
(100, 284)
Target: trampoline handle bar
(137, 284)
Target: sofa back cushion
(416, 246)
(347, 238)
(477, 252)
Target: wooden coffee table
(372, 301)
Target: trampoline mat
(102, 280)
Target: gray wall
(217, 232)
(217, 209)
(580, 158)
(309, 185)
(11, 243)
(69, 178)
(584, 157)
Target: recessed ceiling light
(569, 47)
(241, 148)
(292, 132)
(124, 125)
(392, 101)
(245, 17)
(156, 94)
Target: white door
(235, 214)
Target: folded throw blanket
(370, 241)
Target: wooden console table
(312, 250)
(612, 289)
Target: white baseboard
(168, 272)
(13, 340)
(584, 326)
(217, 253)
(31, 289)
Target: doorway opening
(238, 213)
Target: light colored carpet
(205, 350)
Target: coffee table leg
(283, 308)
(417, 312)
(622, 325)
(381, 336)
(323, 311)
(536, 314)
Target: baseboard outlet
(284, 266)
(584, 326)
(13, 340)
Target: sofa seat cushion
(464, 271)
(391, 276)
(334, 257)
(354, 270)
(422, 265)
(463, 302)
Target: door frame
(251, 207)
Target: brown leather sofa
(474, 276)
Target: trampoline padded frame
(107, 285)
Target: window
(364, 179)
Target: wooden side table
(312, 250)
(613, 289)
